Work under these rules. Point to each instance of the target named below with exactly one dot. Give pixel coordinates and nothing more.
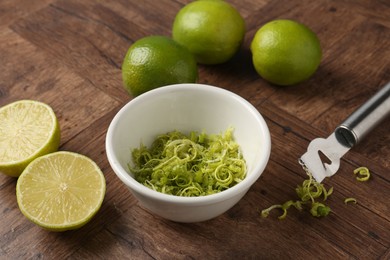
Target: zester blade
(322, 158)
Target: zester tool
(322, 158)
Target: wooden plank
(12, 10)
(37, 76)
(69, 53)
(94, 57)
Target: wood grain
(69, 53)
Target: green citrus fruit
(28, 129)
(285, 52)
(61, 191)
(156, 61)
(212, 30)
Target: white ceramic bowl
(186, 108)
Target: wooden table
(68, 53)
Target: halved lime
(61, 191)
(28, 129)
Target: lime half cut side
(61, 191)
(28, 129)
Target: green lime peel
(350, 200)
(310, 191)
(362, 174)
(189, 165)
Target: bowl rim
(243, 186)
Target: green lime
(156, 61)
(285, 52)
(28, 129)
(61, 191)
(212, 30)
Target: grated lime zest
(350, 200)
(308, 193)
(193, 165)
(362, 174)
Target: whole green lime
(212, 30)
(285, 52)
(157, 61)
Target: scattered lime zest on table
(362, 174)
(350, 200)
(311, 190)
(195, 165)
(284, 207)
(308, 192)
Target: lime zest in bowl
(193, 165)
